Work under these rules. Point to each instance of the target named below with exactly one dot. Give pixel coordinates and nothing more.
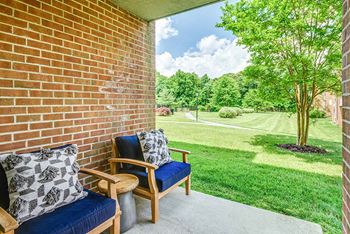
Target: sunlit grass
(245, 166)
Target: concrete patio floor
(201, 213)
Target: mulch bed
(302, 149)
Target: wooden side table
(126, 200)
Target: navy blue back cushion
(4, 194)
(129, 147)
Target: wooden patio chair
(93, 214)
(155, 182)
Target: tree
(295, 44)
(165, 98)
(225, 92)
(162, 82)
(185, 87)
(164, 95)
(252, 99)
(205, 91)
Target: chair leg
(115, 228)
(188, 185)
(155, 208)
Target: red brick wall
(73, 71)
(346, 116)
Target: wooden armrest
(179, 151)
(101, 175)
(134, 162)
(7, 222)
(184, 153)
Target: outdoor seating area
(81, 150)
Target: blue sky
(190, 41)
(192, 26)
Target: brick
(58, 59)
(63, 138)
(26, 67)
(36, 60)
(52, 25)
(12, 21)
(40, 93)
(40, 13)
(51, 132)
(28, 101)
(72, 130)
(27, 84)
(26, 135)
(52, 86)
(11, 38)
(26, 17)
(43, 141)
(13, 74)
(26, 33)
(6, 119)
(53, 116)
(5, 138)
(6, 10)
(52, 102)
(12, 110)
(41, 125)
(7, 101)
(12, 146)
(39, 110)
(28, 118)
(6, 83)
(13, 93)
(5, 46)
(63, 123)
(26, 50)
(12, 57)
(40, 77)
(13, 128)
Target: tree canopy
(294, 47)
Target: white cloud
(213, 56)
(165, 29)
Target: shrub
(317, 114)
(163, 111)
(227, 112)
(248, 110)
(238, 110)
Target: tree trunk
(303, 115)
(303, 122)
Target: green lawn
(245, 166)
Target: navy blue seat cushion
(4, 194)
(78, 217)
(166, 175)
(129, 147)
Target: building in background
(332, 105)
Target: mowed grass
(278, 122)
(245, 166)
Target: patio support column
(346, 116)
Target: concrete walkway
(189, 115)
(205, 214)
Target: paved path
(189, 115)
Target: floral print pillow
(154, 147)
(41, 182)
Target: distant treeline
(183, 90)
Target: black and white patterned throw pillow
(41, 182)
(154, 147)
